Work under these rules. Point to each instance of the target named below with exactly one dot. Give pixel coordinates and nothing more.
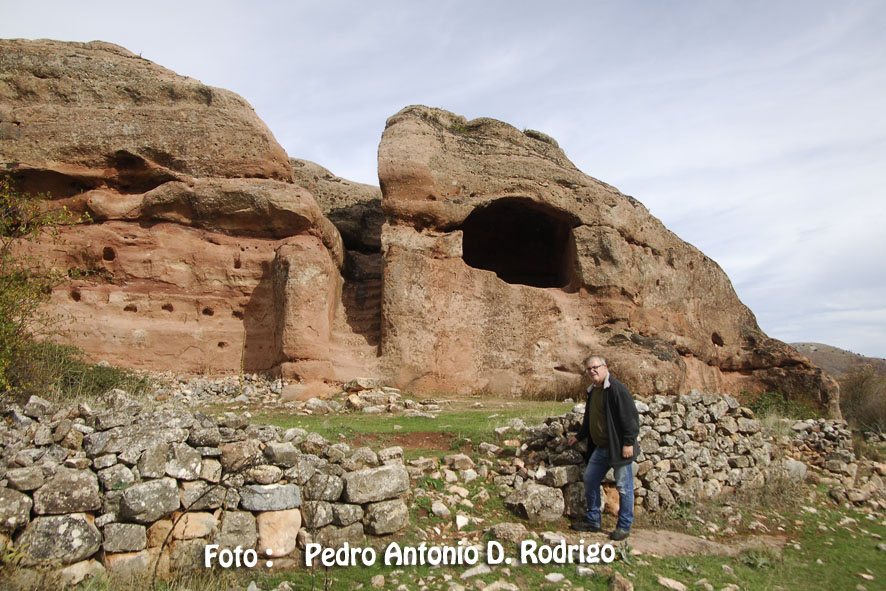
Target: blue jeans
(596, 470)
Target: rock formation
(196, 218)
(505, 265)
(486, 263)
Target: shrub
(25, 282)
(774, 403)
(60, 372)
(863, 398)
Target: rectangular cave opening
(522, 241)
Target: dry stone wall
(693, 447)
(130, 490)
(133, 491)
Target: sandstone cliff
(486, 263)
(505, 264)
(196, 218)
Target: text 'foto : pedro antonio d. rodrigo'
(528, 552)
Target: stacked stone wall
(139, 492)
(133, 491)
(693, 447)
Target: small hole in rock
(208, 311)
(168, 307)
(237, 314)
(237, 263)
(75, 295)
(222, 345)
(130, 308)
(108, 253)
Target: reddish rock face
(498, 268)
(505, 265)
(88, 115)
(191, 199)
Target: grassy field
(460, 427)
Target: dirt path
(663, 543)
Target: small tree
(25, 281)
(863, 398)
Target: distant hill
(837, 361)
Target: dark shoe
(619, 534)
(584, 526)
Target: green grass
(463, 427)
(774, 403)
(61, 374)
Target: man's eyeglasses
(594, 368)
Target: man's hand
(571, 441)
(627, 451)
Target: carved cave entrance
(522, 241)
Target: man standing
(611, 426)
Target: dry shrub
(863, 398)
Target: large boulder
(189, 194)
(61, 539)
(97, 114)
(505, 265)
(69, 491)
(354, 208)
(375, 484)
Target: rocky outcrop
(94, 115)
(485, 263)
(354, 208)
(192, 205)
(505, 265)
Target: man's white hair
(594, 356)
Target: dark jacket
(622, 421)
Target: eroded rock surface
(485, 263)
(189, 195)
(505, 264)
(354, 208)
(155, 125)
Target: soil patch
(668, 543)
(417, 440)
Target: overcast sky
(755, 130)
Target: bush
(774, 403)
(863, 398)
(59, 372)
(25, 282)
